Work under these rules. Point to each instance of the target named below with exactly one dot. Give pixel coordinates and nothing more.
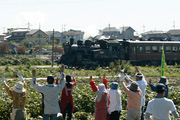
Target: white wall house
(72, 34)
(174, 34)
(114, 33)
(155, 35)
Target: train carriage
(149, 52)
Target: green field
(82, 93)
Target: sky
(90, 15)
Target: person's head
(50, 79)
(114, 86)
(19, 87)
(134, 87)
(163, 80)
(101, 88)
(139, 76)
(68, 79)
(161, 88)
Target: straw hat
(19, 87)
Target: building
(72, 36)
(37, 37)
(110, 32)
(17, 34)
(114, 33)
(155, 35)
(57, 36)
(127, 32)
(174, 34)
(2, 37)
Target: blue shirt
(153, 88)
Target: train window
(154, 49)
(134, 49)
(141, 49)
(148, 49)
(168, 49)
(174, 49)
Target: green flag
(163, 63)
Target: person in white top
(140, 79)
(160, 107)
(115, 106)
(51, 94)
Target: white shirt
(51, 95)
(115, 104)
(142, 85)
(160, 108)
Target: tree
(4, 48)
(21, 50)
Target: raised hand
(3, 78)
(34, 73)
(58, 75)
(62, 68)
(149, 81)
(136, 69)
(19, 74)
(90, 79)
(73, 74)
(104, 76)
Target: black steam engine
(102, 52)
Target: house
(2, 37)
(37, 37)
(111, 32)
(174, 34)
(155, 35)
(127, 32)
(72, 36)
(17, 34)
(57, 36)
(114, 33)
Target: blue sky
(90, 15)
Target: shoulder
(168, 100)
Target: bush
(81, 115)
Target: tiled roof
(174, 32)
(110, 29)
(72, 32)
(125, 28)
(153, 32)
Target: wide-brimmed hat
(163, 80)
(160, 87)
(19, 87)
(102, 88)
(114, 86)
(134, 87)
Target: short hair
(160, 88)
(50, 79)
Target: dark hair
(160, 88)
(68, 80)
(50, 79)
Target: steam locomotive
(102, 52)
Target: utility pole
(174, 25)
(53, 48)
(39, 43)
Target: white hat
(19, 87)
(101, 88)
